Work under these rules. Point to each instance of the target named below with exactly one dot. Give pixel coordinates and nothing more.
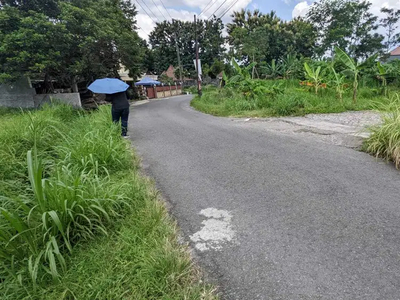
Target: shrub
(288, 104)
(385, 139)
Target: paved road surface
(273, 215)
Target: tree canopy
(348, 24)
(254, 36)
(79, 40)
(166, 35)
(70, 41)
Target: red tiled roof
(395, 51)
(171, 72)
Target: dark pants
(121, 114)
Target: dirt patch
(347, 129)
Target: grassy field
(77, 219)
(290, 100)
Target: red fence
(163, 91)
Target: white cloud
(157, 13)
(301, 9)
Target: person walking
(120, 110)
(115, 90)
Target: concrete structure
(395, 54)
(18, 94)
(22, 94)
(73, 99)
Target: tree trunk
(74, 86)
(252, 75)
(355, 92)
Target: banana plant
(383, 72)
(241, 73)
(273, 70)
(353, 67)
(288, 66)
(339, 82)
(314, 76)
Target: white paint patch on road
(216, 231)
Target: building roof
(171, 72)
(395, 51)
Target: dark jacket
(118, 100)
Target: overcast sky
(152, 11)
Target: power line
(207, 7)
(145, 11)
(228, 9)
(217, 9)
(159, 9)
(150, 11)
(165, 9)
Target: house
(124, 75)
(395, 54)
(171, 73)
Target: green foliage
(384, 141)
(67, 41)
(257, 37)
(314, 76)
(382, 73)
(68, 182)
(242, 82)
(288, 99)
(390, 24)
(353, 67)
(348, 24)
(167, 34)
(339, 81)
(166, 79)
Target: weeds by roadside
(384, 141)
(291, 100)
(77, 221)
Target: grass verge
(77, 220)
(384, 140)
(292, 100)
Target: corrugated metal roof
(395, 51)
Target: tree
(73, 41)
(165, 35)
(25, 48)
(47, 7)
(390, 24)
(255, 37)
(347, 24)
(353, 67)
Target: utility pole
(197, 59)
(179, 56)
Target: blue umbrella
(147, 81)
(108, 86)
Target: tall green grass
(71, 199)
(384, 140)
(294, 100)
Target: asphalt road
(307, 220)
